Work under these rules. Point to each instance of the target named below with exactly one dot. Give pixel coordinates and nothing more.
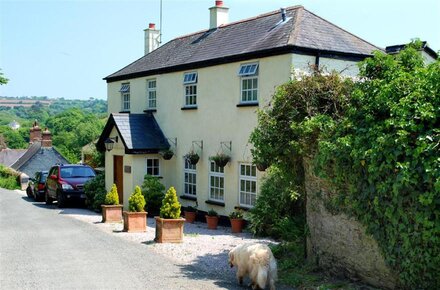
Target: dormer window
(249, 83)
(125, 96)
(190, 89)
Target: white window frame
(248, 180)
(189, 170)
(151, 94)
(248, 72)
(125, 96)
(153, 165)
(190, 89)
(219, 174)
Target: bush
(276, 203)
(170, 205)
(112, 197)
(95, 192)
(136, 202)
(153, 192)
(8, 178)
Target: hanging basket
(262, 166)
(192, 158)
(220, 159)
(167, 154)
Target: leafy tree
(3, 80)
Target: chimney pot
(218, 15)
(152, 26)
(152, 38)
(219, 3)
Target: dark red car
(37, 186)
(66, 183)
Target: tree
(3, 80)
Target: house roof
(9, 156)
(264, 35)
(393, 49)
(31, 151)
(140, 133)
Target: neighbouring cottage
(40, 155)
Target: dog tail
(273, 276)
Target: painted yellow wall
(217, 119)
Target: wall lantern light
(110, 142)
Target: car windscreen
(77, 172)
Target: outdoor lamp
(109, 142)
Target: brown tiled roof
(260, 36)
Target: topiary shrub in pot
(135, 219)
(212, 219)
(169, 226)
(111, 209)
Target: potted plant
(221, 159)
(237, 221)
(212, 219)
(167, 154)
(192, 157)
(135, 219)
(190, 214)
(111, 209)
(169, 226)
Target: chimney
(218, 15)
(283, 14)
(46, 139)
(35, 133)
(152, 38)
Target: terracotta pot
(190, 216)
(111, 213)
(135, 222)
(212, 222)
(169, 230)
(237, 225)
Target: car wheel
(47, 198)
(28, 191)
(60, 200)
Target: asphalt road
(42, 249)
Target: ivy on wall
(378, 142)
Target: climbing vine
(378, 142)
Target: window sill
(241, 207)
(215, 202)
(247, 104)
(150, 111)
(126, 112)
(188, 197)
(188, 108)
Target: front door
(118, 176)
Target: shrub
(95, 192)
(112, 197)
(212, 212)
(236, 214)
(136, 202)
(153, 192)
(170, 205)
(8, 178)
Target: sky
(59, 48)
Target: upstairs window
(190, 89)
(125, 96)
(151, 94)
(249, 83)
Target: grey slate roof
(140, 133)
(263, 35)
(9, 156)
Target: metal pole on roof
(160, 33)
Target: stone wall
(339, 243)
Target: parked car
(37, 185)
(66, 183)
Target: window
(125, 96)
(190, 179)
(153, 166)
(216, 183)
(151, 94)
(248, 184)
(249, 83)
(190, 87)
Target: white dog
(257, 261)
